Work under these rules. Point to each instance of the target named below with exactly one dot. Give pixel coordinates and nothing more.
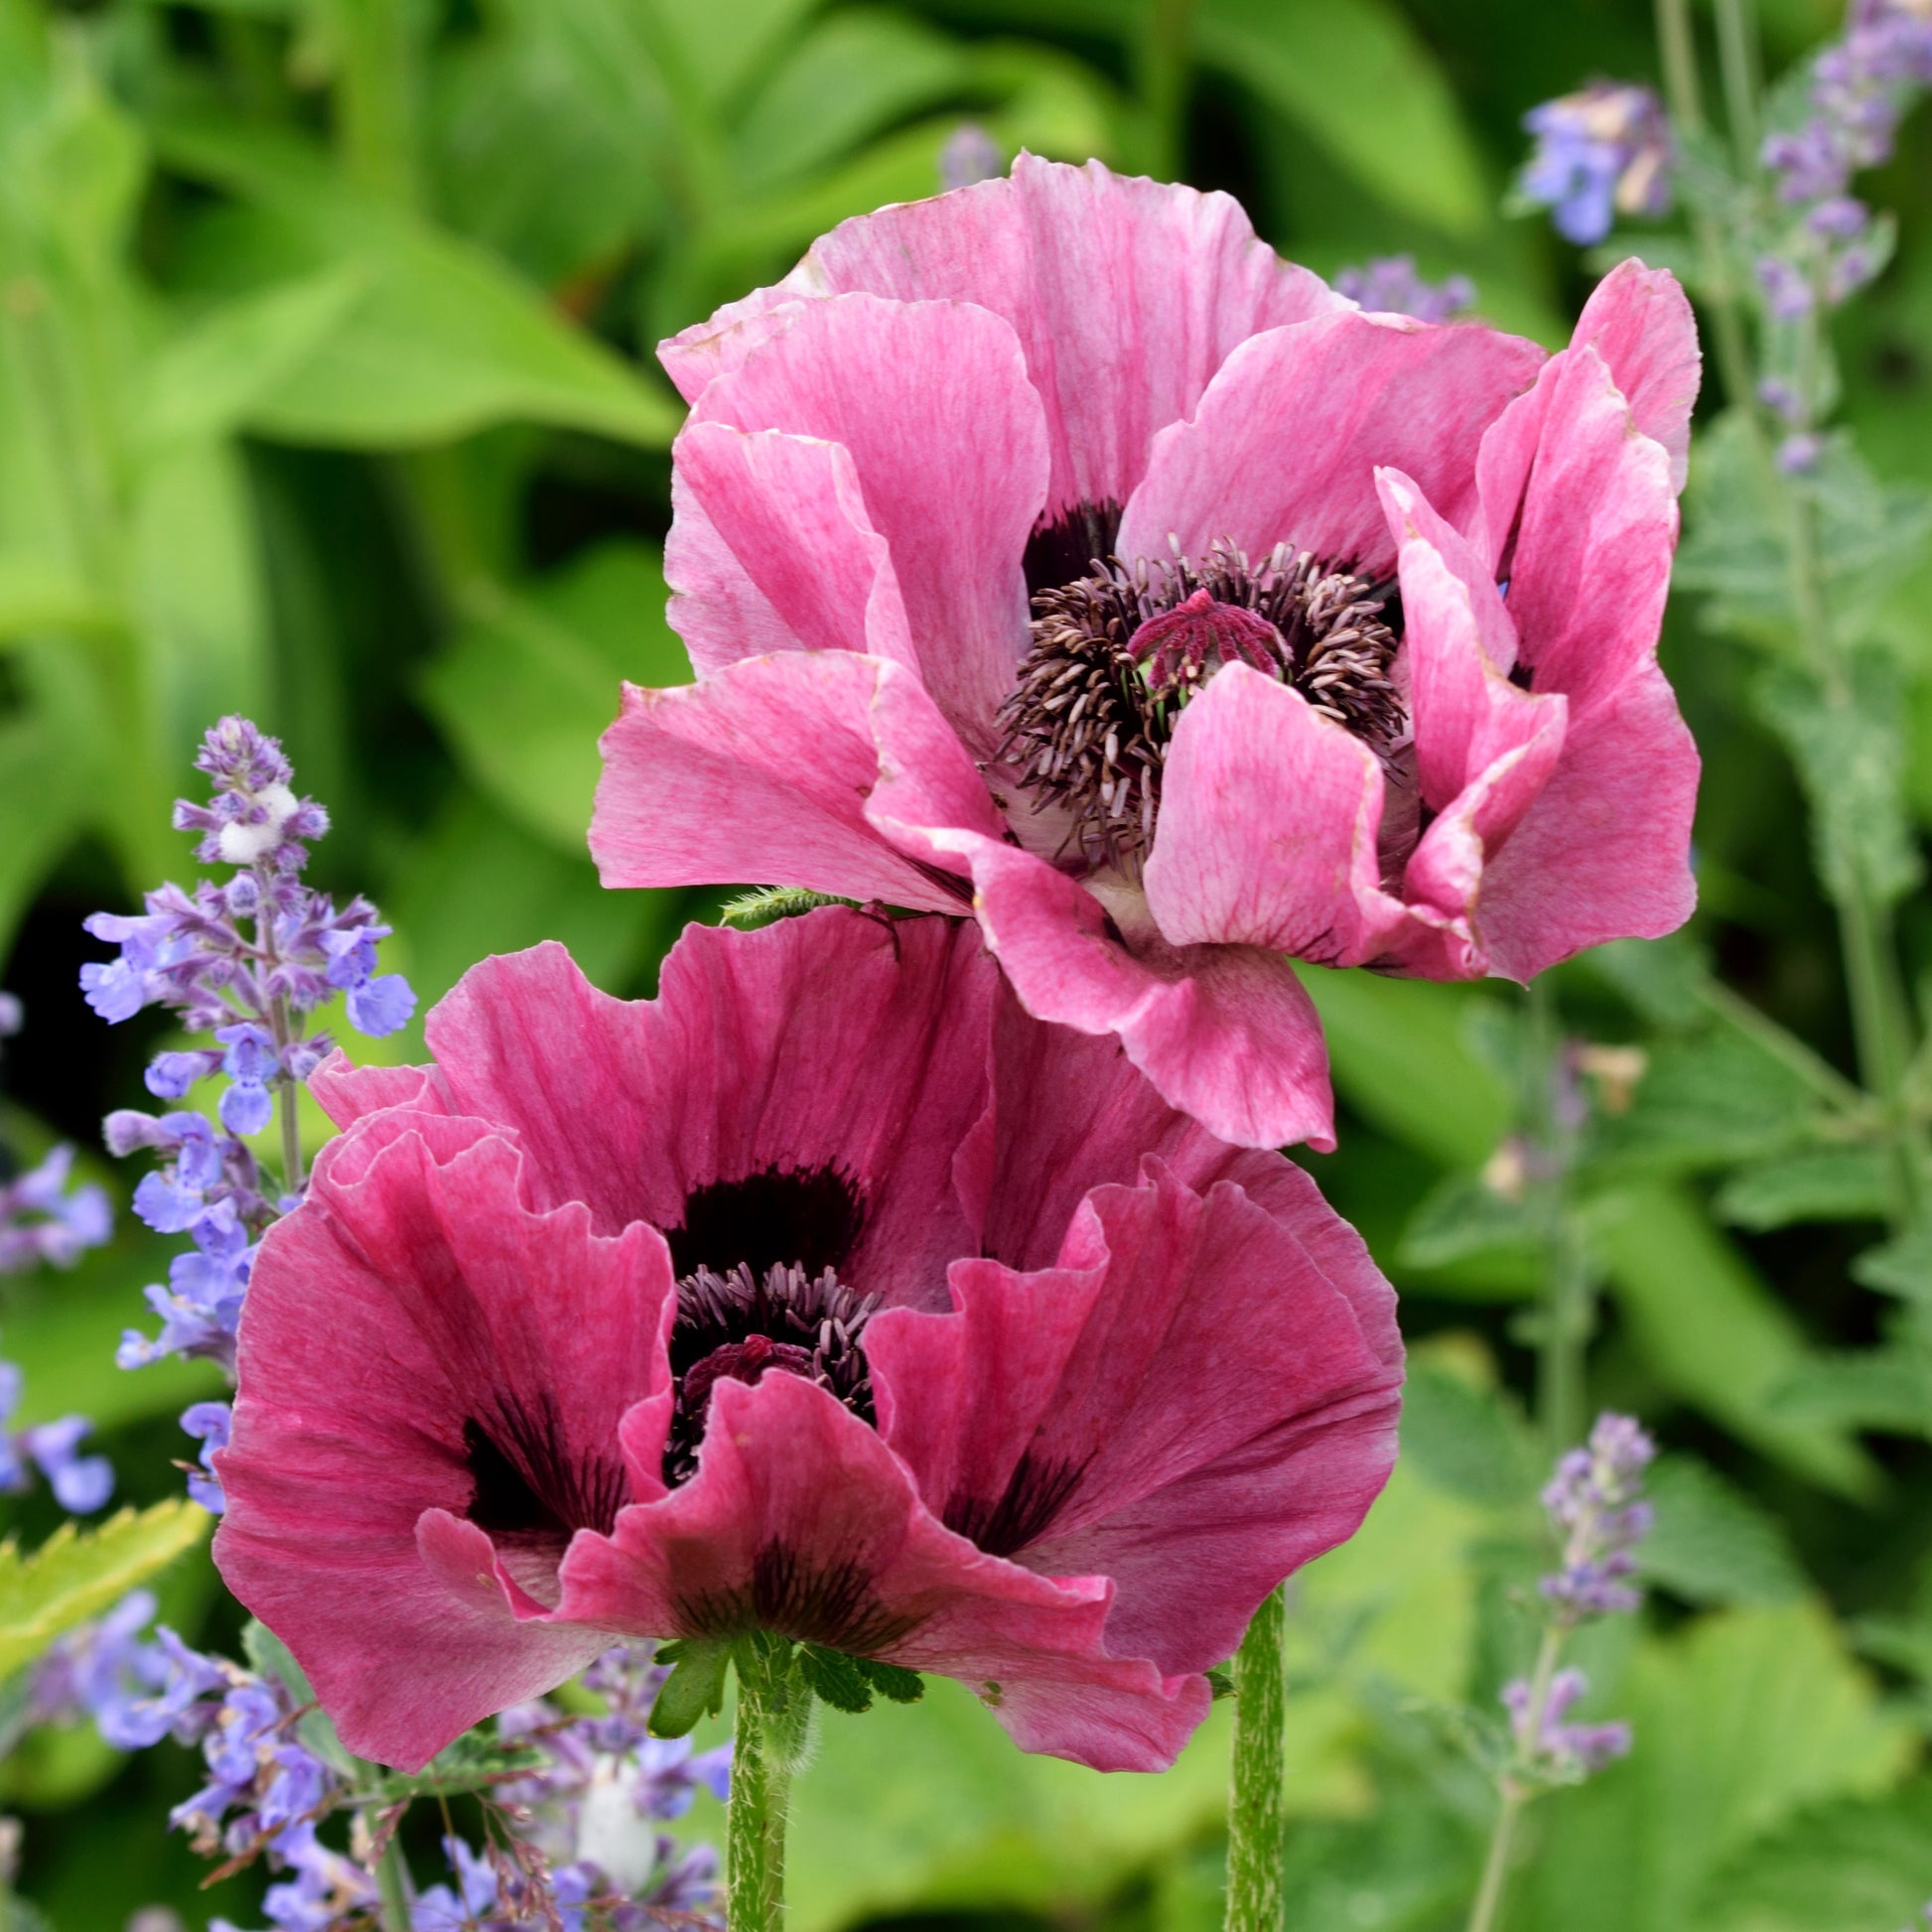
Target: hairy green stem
(1515, 1791)
(773, 1709)
(1260, 1761)
(1816, 1072)
(395, 1895)
(1738, 62)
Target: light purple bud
(246, 1108)
(170, 1075)
(382, 1006)
(970, 155)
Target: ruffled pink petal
(1591, 562)
(1268, 827)
(1605, 850)
(346, 1091)
(946, 442)
(786, 767)
(833, 1043)
(1183, 1404)
(770, 549)
(468, 1313)
(1639, 321)
(1126, 295)
(1284, 446)
(801, 1520)
(1225, 1032)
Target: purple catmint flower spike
(1595, 1506)
(1389, 285)
(1602, 152)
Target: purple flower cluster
(1553, 1750)
(79, 1482)
(1596, 1505)
(586, 1824)
(1600, 153)
(1861, 87)
(580, 1846)
(43, 1220)
(1389, 285)
(245, 962)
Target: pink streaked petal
(770, 549)
(1284, 446)
(1225, 1032)
(1125, 294)
(1180, 1341)
(1467, 714)
(1639, 321)
(1605, 850)
(1591, 568)
(346, 1092)
(944, 434)
(801, 1520)
(828, 1041)
(1268, 826)
(778, 767)
(471, 1312)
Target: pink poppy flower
(829, 1294)
(1054, 545)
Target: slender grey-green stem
(1161, 59)
(1513, 1790)
(1260, 1763)
(1567, 1311)
(395, 1893)
(767, 1741)
(1738, 64)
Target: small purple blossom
(1552, 1749)
(1602, 152)
(79, 1483)
(1595, 1503)
(1390, 285)
(1788, 291)
(970, 153)
(1799, 454)
(46, 1222)
(210, 1423)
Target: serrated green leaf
(1887, 1389)
(1835, 1183)
(892, 1681)
(1714, 1334)
(1661, 978)
(836, 1678)
(1710, 1100)
(1463, 1216)
(1466, 1440)
(1902, 1266)
(695, 1688)
(78, 1572)
(1711, 1543)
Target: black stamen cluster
(1089, 728)
(741, 1323)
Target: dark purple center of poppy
(759, 1291)
(525, 1484)
(1119, 649)
(742, 1327)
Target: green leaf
(1319, 61)
(1887, 1389)
(526, 688)
(1465, 1215)
(443, 342)
(1714, 1334)
(477, 884)
(1742, 1724)
(892, 1681)
(1835, 1183)
(1468, 1441)
(1856, 1866)
(38, 595)
(1850, 751)
(42, 803)
(855, 73)
(1711, 1543)
(77, 1573)
(1660, 978)
(695, 1688)
(835, 1678)
(216, 370)
(1902, 1266)
(1401, 1058)
(1709, 1100)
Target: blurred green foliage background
(326, 395)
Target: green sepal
(695, 1687)
(770, 903)
(835, 1678)
(893, 1681)
(1220, 1680)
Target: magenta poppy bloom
(828, 1293)
(1055, 546)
